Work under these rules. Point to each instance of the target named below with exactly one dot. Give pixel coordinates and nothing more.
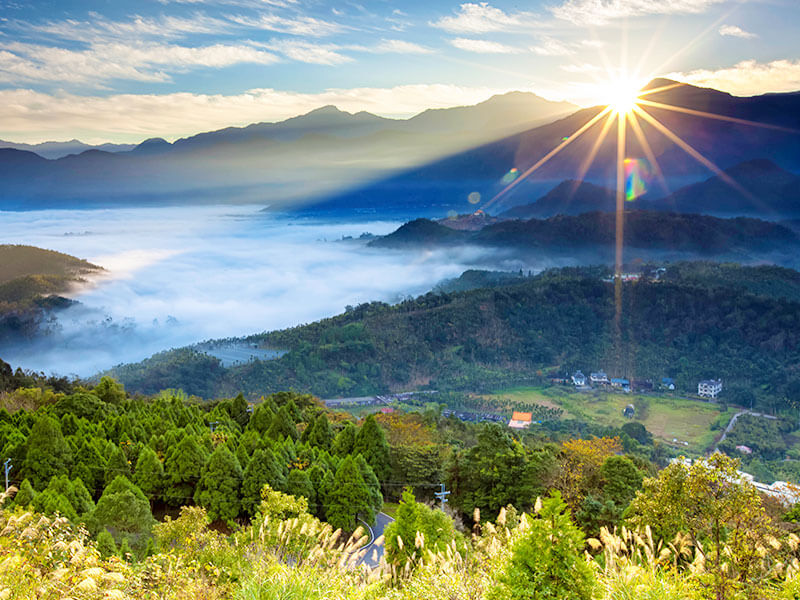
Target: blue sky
(118, 70)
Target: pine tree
(122, 508)
(299, 484)
(105, 544)
(263, 469)
(80, 497)
(149, 474)
(373, 486)
(47, 452)
(344, 441)
(26, 494)
(184, 466)
(261, 419)
(89, 467)
(348, 497)
(372, 445)
(282, 426)
(219, 488)
(117, 465)
(319, 433)
(238, 411)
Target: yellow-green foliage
(20, 261)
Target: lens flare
(474, 198)
(637, 176)
(510, 176)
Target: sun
(621, 95)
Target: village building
(520, 420)
(599, 377)
(709, 388)
(668, 383)
(621, 382)
(579, 379)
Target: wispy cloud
(549, 46)
(30, 116)
(308, 52)
(748, 77)
(100, 28)
(116, 61)
(598, 12)
(297, 25)
(482, 18)
(401, 47)
(583, 69)
(735, 31)
(483, 46)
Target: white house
(579, 379)
(599, 377)
(709, 388)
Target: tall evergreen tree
(345, 440)
(47, 452)
(372, 445)
(117, 464)
(261, 419)
(149, 474)
(263, 469)
(372, 483)
(299, 484)
(219, 488)
(184, 466)
(348, 497)
(89, 466)
(26, 494)
(319, 433)
(122, 508)
(283, 426)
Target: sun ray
(648, 150)
(548, 156)
(584, 168)
(620, 192)
(661, 88)
(700, 113)
(691, 151)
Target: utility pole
(7, 466)
(442, 495)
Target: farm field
(678, 421)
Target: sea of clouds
(180, 275)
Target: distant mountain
(316, 154)
(594, 233)
(761, 189)
(446, 184)
(567, 198)
(53, 150)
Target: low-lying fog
(181, 275)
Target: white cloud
(101, 29)
(552, 47)
(481, 18)
(30, 116)
(584, 69)
(104, 62)
(748, 77)
(483, 46)
(735, 31)
(402, 47)
(309, 52)
(301, 25)
(598, 12)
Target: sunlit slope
(27, 271)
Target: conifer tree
(219, 488)
(344, 441)
(26, 494)
(117, 464)
(299, 484)
(319, 433)
(89, 466)
(184, 466)
(348, 497)
(105, 544)
(372, 483)
(263, 469)
(122, 508)
(47, 452)
(149, 474)
(372, 445)
(282, 426)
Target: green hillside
(683, 326)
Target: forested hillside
(741, 324)
(30, 280)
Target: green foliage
(117, 465)
(283, 426)
(47, 452)
(220, 485)
(26, 494)
(348, 497)
(109, 391)
(106, 544)
(345, 440)
(149, 474)
(184, 466)
(547, 563)
(123, 509)
(263, 469)
(417, 531)
(371, 443)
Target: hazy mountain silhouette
(53, 150)
(310, 155)
(569, 197)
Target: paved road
(733, 422)
(375, 551)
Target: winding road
(375, 551)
